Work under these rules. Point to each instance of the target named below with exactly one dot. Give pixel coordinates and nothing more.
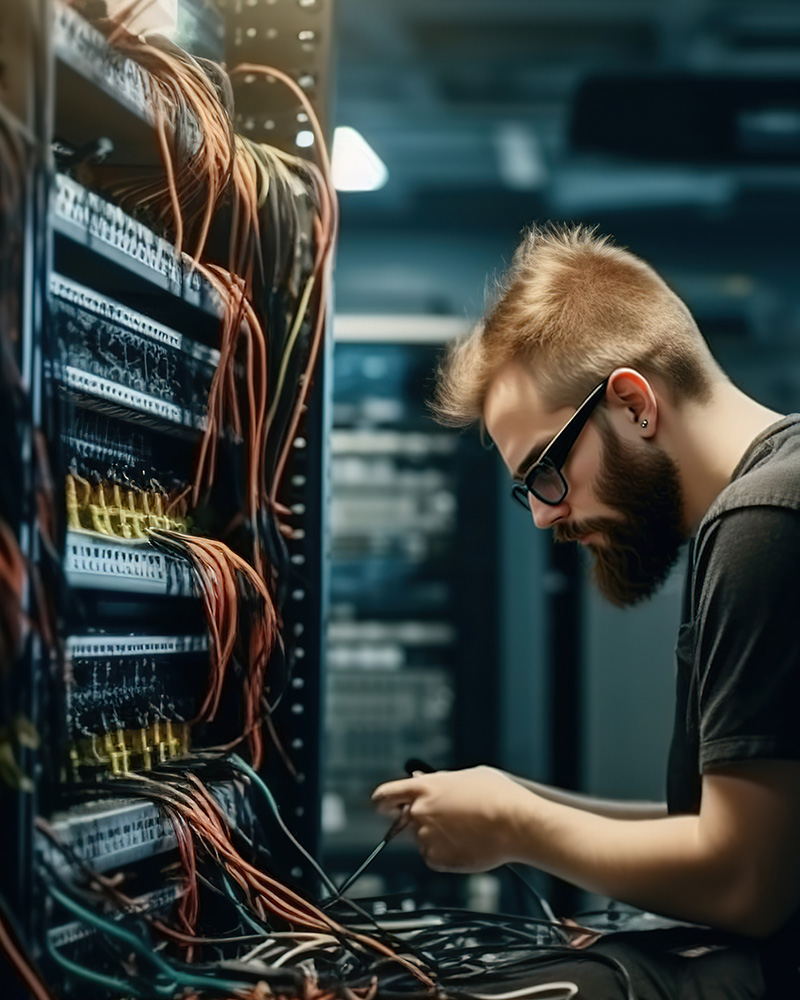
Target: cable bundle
(15, 163)
(210, 859)
(13, 575)
(325, 228)
(224, 405)
(190, 101)
(284, 945)
(228, 583)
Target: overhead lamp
(355, 164)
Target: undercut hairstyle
(573, 307)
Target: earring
(644, 422)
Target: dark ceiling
(674, 124)
(479, 94)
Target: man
(621, 432)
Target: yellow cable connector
(73, 513)
(99, 512)
(123, 513)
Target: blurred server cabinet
(412, 636)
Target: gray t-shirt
(738, 649)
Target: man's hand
(734, 866)
(464, 821)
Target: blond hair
(574, 307)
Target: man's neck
(708, 442)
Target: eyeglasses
(544, 479)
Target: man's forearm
(661, 864)
(610, 808)
(735, 865)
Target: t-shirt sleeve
(747, 636)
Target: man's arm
(612, 808)
(735, 866)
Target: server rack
(110, 348)
(413, 639)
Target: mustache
(642, 538)
(595, 526)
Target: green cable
(95, 977)
(175, 976)
(241, 765)
(242, 908)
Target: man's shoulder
(768, 476)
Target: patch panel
(85, 218)
(75, 932)
(98, 563)
(84, 53)
(110, 463)
(121, 751)
(114, 833)
(84, 48)
(122, 401)
(79, 646)
(128, 698)
(128, 361)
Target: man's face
(624, 499)
(642, 542)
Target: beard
(642, 547)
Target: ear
(632, 396)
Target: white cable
(569, 991)
(274, 938)
(307, 946)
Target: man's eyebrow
(530, 459)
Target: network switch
(76, 933)
(114, 833)
(129, 699)
(100, 450)
(98, 563)
(90, 221)
(113, 355)
(83, 48)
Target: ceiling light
(520, 159)
(355, 164)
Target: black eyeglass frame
(552, 459)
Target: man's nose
(545, 515)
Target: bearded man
(621, 432)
